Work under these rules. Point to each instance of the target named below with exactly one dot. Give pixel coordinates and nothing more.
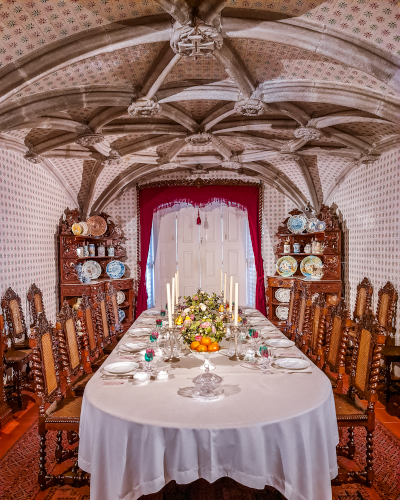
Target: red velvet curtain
(152, 199)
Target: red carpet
(19, 466)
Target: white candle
(230, 293)
(177, 286)
(173, 296)
(169, 305)
(220, 291)
(224, 288)
(236, 304)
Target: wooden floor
(387, 413)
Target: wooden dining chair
(363, 299)
(112, 307)
(293, 310)
(57, 412)
(319, 319)
(386, 308)
(363, 382)
(35, 301)
(105, 333)
(19, 354)
(5, 410)
(88, 328)
(336, 343)
(303, 327)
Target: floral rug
(19, 467)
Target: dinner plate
(121, 315)
(92, 269)
(120, 297)
(291, 363)
(283, 294)
(286, 266)
(121, 367)
(133, 346)
(115, 269)
(307, 263)
(282, 312)
(280, 343)
(297, 223)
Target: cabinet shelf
(320, 233)
(96, 257)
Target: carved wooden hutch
(331, 258)
(70, 286)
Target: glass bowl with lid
(207, 384)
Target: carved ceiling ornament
(285, 155)
(32, 156)
(370, 156)
(196, 38)
(89, 139)
(144, 107)
(249, 107)
(232, 163)
(114, 158)
(199, 139)
(307, 133)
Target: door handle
(201, 241)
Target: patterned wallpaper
(31, 204)
(368, 203)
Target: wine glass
(267, 355)
(148, 358)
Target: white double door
(200, 251)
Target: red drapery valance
(152, 199)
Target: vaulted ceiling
(107, 93)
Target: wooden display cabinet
(70, 286)
(330, 283)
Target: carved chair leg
(351, 443)
(72, 437)
(387, 380)
(42, 461)
(59, 452)
(18, 385)
(370, 460)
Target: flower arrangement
(201, 327)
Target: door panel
(188, 251)
(165, 259)
(210, 250)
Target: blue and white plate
(311, 225)
(115, 269)
(121, 315)
(320, 226)
(297, 223)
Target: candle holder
(172, 343)
(235, 333)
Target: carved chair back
(320, 317)
(69, 345)
(87, 319)
(11, 305)
(102, 320)
(336, 339)
(45, 367)
(386, 309)
(365, 363)
(363, 298)
(303, 328)
(35, 301)
(293, 308)
(112, 306)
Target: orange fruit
(201, 348)
(194, 344)
(205, 341)
(214, 347)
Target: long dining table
(274, 429)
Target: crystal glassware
(148, 358)
(267, 355)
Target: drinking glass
(148, 357)
(267, 355)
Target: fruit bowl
(206, 356)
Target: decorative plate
(311, 225)
(305, 264)
(286, 266)
(282, 312)
(91, 269)
(297, 223)
(283, 294)
(320, 226)
(133, 346)
(120, 297)
(76, 228)
(291, 363)
(115, 269)
(279, 343)
(85, 228)
(97, 225)
(121, 315)
(121, 367)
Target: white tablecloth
(278, 430)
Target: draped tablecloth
(278, 430)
